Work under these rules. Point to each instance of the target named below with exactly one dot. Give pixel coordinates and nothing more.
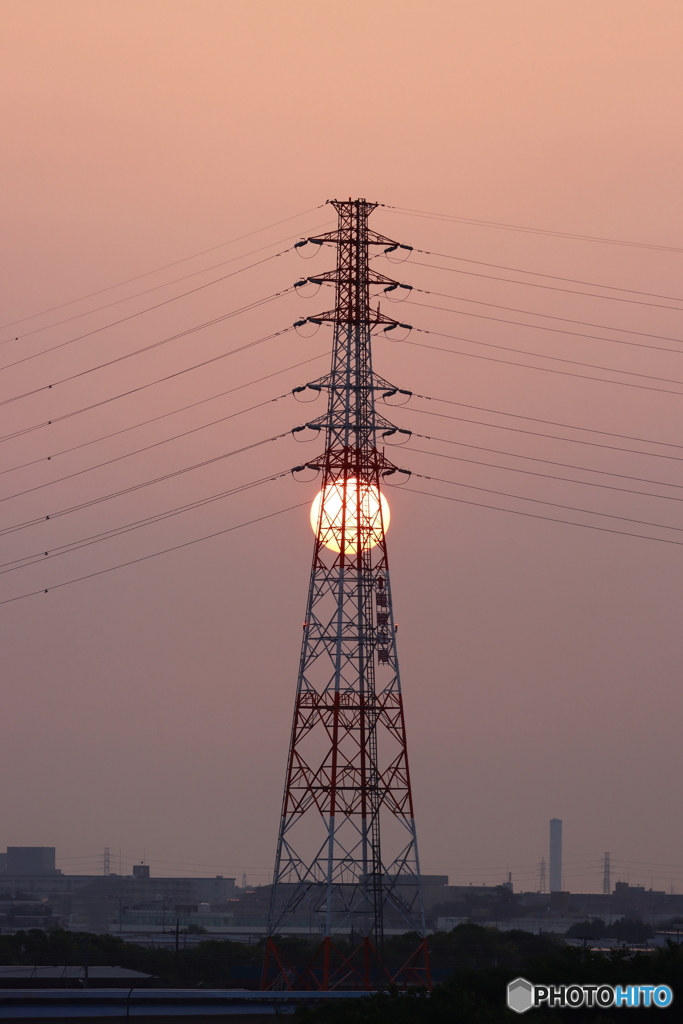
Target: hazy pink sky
(148, 709)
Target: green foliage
(207, 963)
(472, 945)
(476, 995)
(627, 930)
(481, 962)
(593, 929)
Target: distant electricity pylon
(347, 862)
(541, 880)
(106, 862)
(606, 878)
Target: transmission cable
(551, 437)
(148, 309)
(139, 451)
(137, 487)
(550, 462)
(545, 287)
(163, 415)
(550, 316)
(154, 288)
(533, 231)
(552, 504)
(147, 348)
(118, 531)
(538, 273)
(538, 355)
(550, 476)
(155, 554)
(537, 515)
(543, 369)
(158, 270)
(550, 423)
(143, 387)
(531, 312)
(542, 355)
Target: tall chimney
(555, 854)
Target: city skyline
(526, 877)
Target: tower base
(330, 969)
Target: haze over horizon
(148, 709)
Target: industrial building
(34, 893)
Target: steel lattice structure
(347, 855)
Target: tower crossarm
(332, 277)
(375, 319)
(381, 423)
(376, 384)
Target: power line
(118, 531)
(550, 437)
(548, 476)
(138, 451)
(537, 515)
(552, 462)
(140, 312)
(549, 316)
(550, 423)
(545, 287)
(158, 270)
(538, 273)
(533, 231)
(137, 487)
(147, 348)
(147, 291)
(155, 554)
(163, 415)
(531, 312)
(540, 355)
(528, 366)
(153, 383)
(553, 504)
(647, 863)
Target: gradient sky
(148, 709)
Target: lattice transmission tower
(347, 860)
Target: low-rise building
(101, 902)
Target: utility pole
(347, 775)
(606, 880)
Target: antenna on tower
(347, 849)
(606, 879)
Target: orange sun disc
(350, 514)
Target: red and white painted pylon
(347, 862)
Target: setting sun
(347, 495)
